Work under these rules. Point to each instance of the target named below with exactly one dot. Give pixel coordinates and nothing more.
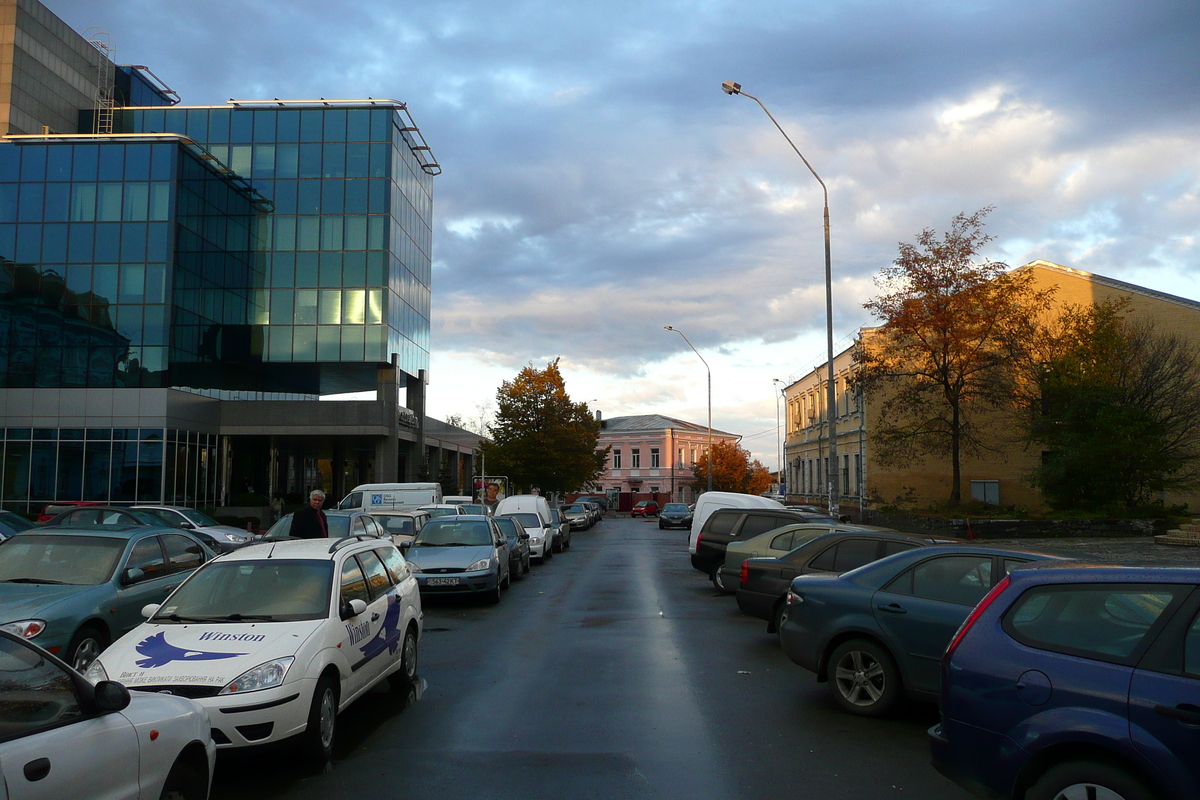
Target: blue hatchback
(1076, 683)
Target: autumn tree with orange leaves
(733, 471)
(541, 438)
(952, 327)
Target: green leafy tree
(952, 326)
(733, 471)
(540, 438)
(1116, 407)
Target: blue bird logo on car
(159, 652)
(388, 637)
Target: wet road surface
(613, 671)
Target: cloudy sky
(598, 184)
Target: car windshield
(15, 522)
(434, 513)
(198, 519)
(396, 526)
(233, 591)
(527, 520)
(474, 508)
(71, 559)
(454, 533)
(675, 508)
(576, 510)
(507, 526)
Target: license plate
(441, 581)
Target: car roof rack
(357, 537)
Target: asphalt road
(613, 671)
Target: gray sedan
(460, 554)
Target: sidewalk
(1141, 551)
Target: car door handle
(1184, 712)
(375, 617)
(37, 769)
(892, 608)
(168, 589)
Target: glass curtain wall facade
(347, 263)
(103, 242)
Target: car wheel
(403, 678)
(184, 783)
(548, 551)
(557, 545)
(567, 542)
(718, 578)
(515, 573)
(507, 582)
(863, 678)
(87, 643)
(1087, 780)
(322, 720)
(528, 564)
(493, 596)
(660, 525)
(777, 618)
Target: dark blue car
(878, 632)
(1081, 682)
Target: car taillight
(975, 614)
(698, 537)
(745, 571)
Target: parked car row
(1056, 680)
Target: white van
(534, 503)
(712, 501)
(458, 499)
(385, 496)
(532, 508)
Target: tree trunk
(956, 480)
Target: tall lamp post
(778, 437)
(831, 475)
(697, 352)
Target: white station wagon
(275, 638)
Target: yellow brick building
(994, 477)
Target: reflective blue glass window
(329, 343)
(308, 197)
(152, 120)
(104, 281)
(284, 229)
(239, 159)
(279, 342)
(356, 197)
(58, 201)
(357, 160)
(8, 201)
(331, 269)
(288, 126)
(33, 162)
(311, 124)
(158, 239)
(332, 196)
(58, 163)
(287, 160)
(29, 243)
(30, 208)
(218, 124)
(306, 306)
(162, 166)
(83, 166)
(304, 343)
(306, 269)
(354, 265)
(133, 242)
(281, 306)
(108, 242)
(154, 325)
(264, 161)
(381, 124)
(352, 343)
(137, 162)
(10, 161)
(335, 125)
(331, 233)
(333, 158)
(377, 197)
(264, 124)
(54, 244)
(356, 233)
(156, 283)
(310, 160)
(358, 124)
(80, 243)
(112, 162)
(108, 202)
(285, 196)
(381, 158)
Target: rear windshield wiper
(36, 580)
(183, 618)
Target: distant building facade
(654, 455)
(996, 477)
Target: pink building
(652, 457)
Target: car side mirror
(406, 545)
(131, 575)
(353, 608)
(187, 526)
(149, 609)
(524, 535)
(111, 696)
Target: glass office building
(180, 290)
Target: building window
(986, 492)
(635, 458)
(693, 460)
(858, 474)
(680, 461)
(616, 459)
(654, 458)
(653, 490)
(846, 474)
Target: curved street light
(831, 474)
(778, 438)
(697, 352)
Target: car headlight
(535, 540)
(233, 537)
(413, 567)
(482, 565)
(95, 673)
(264, 676)
(25, 628)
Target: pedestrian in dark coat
(309, 522)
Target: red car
(54, 509)
(645, 508)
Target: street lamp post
(831, 475)
(778, 438)
(697, 352)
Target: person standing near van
(309, 521)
